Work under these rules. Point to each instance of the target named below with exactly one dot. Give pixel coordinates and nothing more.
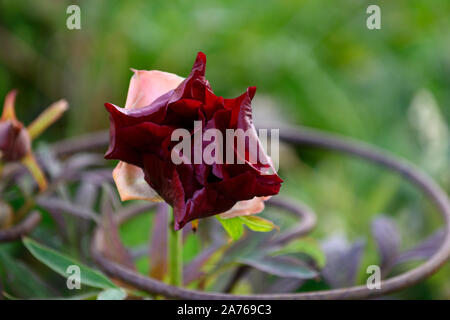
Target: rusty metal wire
(23, 228)
(298, 137)
(316, 139)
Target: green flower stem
(176, 255)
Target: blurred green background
(314, 62)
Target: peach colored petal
(245, 208)
(145, 87)
(131, 185)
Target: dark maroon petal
(186, 107)
(146, 131)
(212, 104)
(162, 177)
(190, 179)
(205, 202)
(142, 137)
(130, 132)
(193, 86)
(218, 197)
(241, 106)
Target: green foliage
(307, 246)
(136, 231)
(235, 226)
(21, 279)
(315, 64)
(112, 294)
(191, 247)
(59, 263)
(258, 224)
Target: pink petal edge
(145, 87)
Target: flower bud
(15, 141)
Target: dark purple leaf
(128, 212)
(284, 285)
(111, 245)
(424, 250)
(387, 239)
(49, 162)
(343, 261)
(69, 168)
(96, 176)
(81, 161)
(282, 266)
(54, 204)
(248, 245)
(138, 252)
(192, 271)
(158, 244)
(86, 195)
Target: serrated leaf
(59, 263)
(233, 226)
(112, 294)
(307, 246)
(258, 224)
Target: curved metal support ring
(318, 139)
(307, 217)
(21, 229)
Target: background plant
(317, 67)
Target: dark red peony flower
(140, 136)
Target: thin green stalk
(175, 255)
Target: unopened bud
(15, 141)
